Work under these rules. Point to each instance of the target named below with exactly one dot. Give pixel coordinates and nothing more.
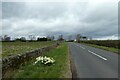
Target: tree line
(70, 38)
(7, 38)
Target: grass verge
(58, 70)
(115, 50)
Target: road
(92, 62)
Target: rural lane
(92, 62)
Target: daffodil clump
(44, 60)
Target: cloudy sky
(93, 18)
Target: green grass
(56, 70)
(105, 48)
(12, 48)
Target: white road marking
(76, 45)
(97, 55)
(82, 47)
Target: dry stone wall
(13, 62)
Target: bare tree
(23, 39)
(60, 38)
(78, 37)
(32, 37)
(6, 38)
(90, 38)
(1, 38)
(52, 38)
(70, 37)
(48, 38)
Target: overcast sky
(92, 18)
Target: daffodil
(44, 60)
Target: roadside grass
(12, 48)
(56, 70)
(115, 50)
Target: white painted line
(76, 44)
(97, 55)
(82, 47)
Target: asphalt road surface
(92, 62)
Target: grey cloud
(24, 10)
(12, 9)
(22, 19)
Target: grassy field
(12, 48)
(106, 43)
(105, 48)
(60, 69)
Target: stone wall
(13, 62)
